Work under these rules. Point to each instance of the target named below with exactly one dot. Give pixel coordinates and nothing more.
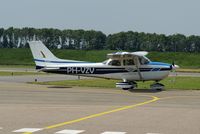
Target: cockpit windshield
(144, 60)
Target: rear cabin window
(114, 63)
(128, 62)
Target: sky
(109, 16)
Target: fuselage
(150, 71)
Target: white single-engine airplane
(128, 66)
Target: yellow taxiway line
(154, 98)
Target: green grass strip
(5, 73)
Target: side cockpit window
(115, 63)
(128, 62)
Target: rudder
(41, 53)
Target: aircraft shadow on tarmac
(59, 87)
(130, 90)
(144, 90)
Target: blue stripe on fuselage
(39, 60)
(159, 63)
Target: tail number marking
(80, 70)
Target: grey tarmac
(39, 106)
(40, 78)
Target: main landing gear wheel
(157, 86)
(126, 85)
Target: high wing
(119, 55)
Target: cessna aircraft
(127, 66)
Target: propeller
(174, 66)
(174, 73)
(173, 63)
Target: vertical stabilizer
(42, 55)
(44, 58)
(40, 51)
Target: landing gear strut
(126, 85)
(157, 86)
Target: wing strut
(137, 63)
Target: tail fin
(41, 54)
(44, 58)
(40, 51)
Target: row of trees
(53, 38)
(87, 40)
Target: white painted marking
(70, 131)
(24, 130)
(113, 133)
(153, 133)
